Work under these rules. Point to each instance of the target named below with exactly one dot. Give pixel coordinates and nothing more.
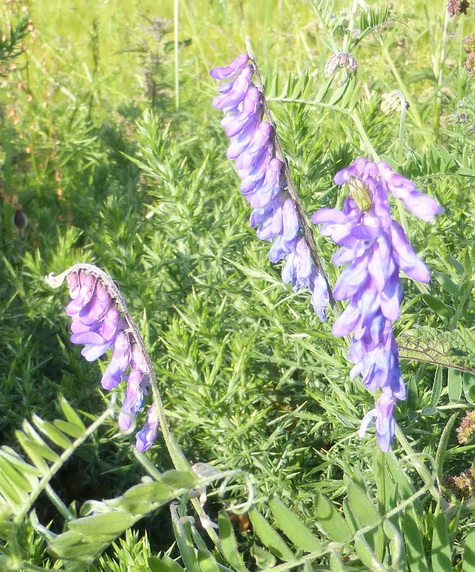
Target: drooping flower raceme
(375, 248)
(100, 322)
(263, 182)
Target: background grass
(110, 167)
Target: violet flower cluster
(263, 182)
(375, 248)
(99, 325)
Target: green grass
(110, 167)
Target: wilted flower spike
(100, 321)
(252, 147)
(376, 248)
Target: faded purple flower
(375, 248)
(340, 60)
(456, 7)
(263, 182)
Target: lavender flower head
(252, 147)
(100, 322)
(375, 248)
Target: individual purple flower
(137, 384)
(98, 324)
(375, 248)
(147, 435)
(252, 147)
(385, 423)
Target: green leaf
(14, 476)
(468, 564)
(270, 537)
(396, 545)
(264, 559)
(52, 432)
(438, 306)
(179, 479)
(447, 284)
(71, 546)
(361, 506)
(66, 427)
(102, 526)
(164, 564)
(454, 382)
(71, 415)
(183, 538)
(23, 467)
(437, 387)
(34, 449)
(229, 546)
(468, 381)
(441, 553)
(36, 458)
(414, 543)
(367, 556)
(153, 491)
(330, 520)
(442, 447)
(293, 527)
(11, 494)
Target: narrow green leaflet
(414, 543)
(229, 547)
(293, 527)
(367, 556)
(164, 564)
(441, 553)
(330, 520)
(184, 540)
(52, 432)
(270, 537)
(71, 415)
(468, 564)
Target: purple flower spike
(263, 184)
(98, 324)
(375, 248)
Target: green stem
(176, 46)
(59, 504)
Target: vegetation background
(111, 153)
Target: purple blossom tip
(232, 69)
